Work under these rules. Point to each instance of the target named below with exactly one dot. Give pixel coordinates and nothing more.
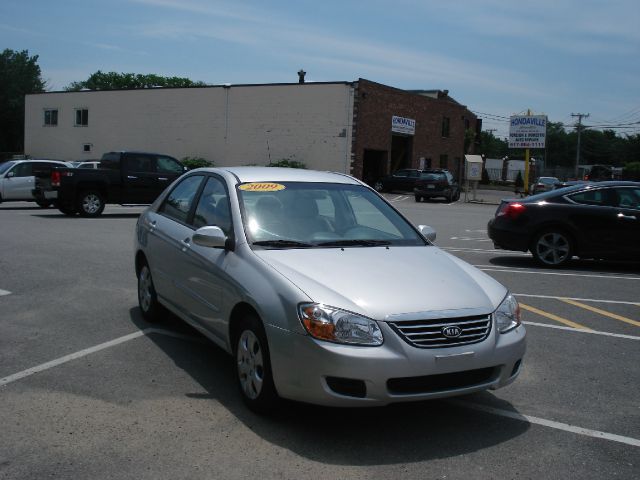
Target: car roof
(278, 174)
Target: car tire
(418, 198)
(552, 248)
(379, 186)
(456, 197)
(43, 203)
(253, 366)
(90, 203)
(151, 309)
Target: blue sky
(497, 57)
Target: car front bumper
(432, 192)
(331, 374)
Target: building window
(82, 117)
(86, 147)
(444, 161)
(51, 117)
(445, 127)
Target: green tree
(116, 81)
(492, 147)
(19, 75)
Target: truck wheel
(90, 203)
(253, 366)
(43, 203)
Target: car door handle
(186, 243)
(132, 177)
(163, 179)
(622, 216)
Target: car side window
(24, 169)
(401, 173)
(140, 163)
(168, 165)
(213, 207)
(600, 197)
(178, 203)
(414, 174)
(628, 198)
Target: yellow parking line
(553, 317)
(601, 312)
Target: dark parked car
(599, 173)
(595, 220)
(404, 180)
(436, 183)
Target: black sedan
(596, 220)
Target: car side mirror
(212, 237)
(11, 174)
(428, 232)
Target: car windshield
(312, 215)
(6, 166)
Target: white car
(17, 179)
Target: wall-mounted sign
(527, 131)
(403, 125)
(474, 166)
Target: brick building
(436, 141)
(362, 128)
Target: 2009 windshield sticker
(261, 187)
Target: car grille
(429, 333)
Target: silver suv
(316, 285)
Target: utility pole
(579, 127)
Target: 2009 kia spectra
(322, 291)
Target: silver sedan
(322, 291)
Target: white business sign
(403, 125)
(527, 131)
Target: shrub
(196, 162)
(285, 162)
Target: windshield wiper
(354, 243)
(283, 244)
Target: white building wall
(236, 125)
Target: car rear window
(432, 176)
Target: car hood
(389, 283)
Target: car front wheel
(253, 366)
(552, 248)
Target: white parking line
(468, 239)
(579, 330)
(533, 272)
(83, 353)
(4, 292)
(504, 253)
(549, 423)
(595, 300)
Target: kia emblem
(451, 331)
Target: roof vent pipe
(301, 75)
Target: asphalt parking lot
(89, 390)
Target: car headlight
(508, 314)
(335, 325)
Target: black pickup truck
(125, 178)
